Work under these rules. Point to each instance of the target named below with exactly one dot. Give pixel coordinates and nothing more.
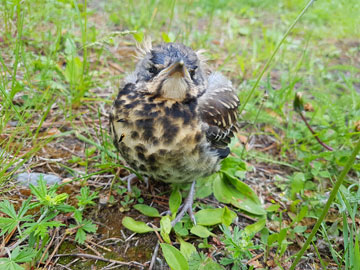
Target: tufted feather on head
(143, 48)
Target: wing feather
(218, 108)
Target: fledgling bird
(173, 118)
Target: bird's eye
(192, 73)
(153, 70)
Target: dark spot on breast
(155, 141)
(147, 126)
(119, 102)
(149, 114)
(151, 158)
(132, 96)
(131, 105)
(134, 135)
(147, 134)
(128, 88)
(153, 168)
(142, 167)
(170, 130)
(195, 149)
(162, 152)
(124, 151)
(186, 111)
(198, 137)
(192, 104)
(140, 148)
(132, 164)
(149, 106)
(141, 156)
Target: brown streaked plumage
(173, 118)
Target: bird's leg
(129, 178)
(187, 206)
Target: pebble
(25, 179)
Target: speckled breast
(161, 139)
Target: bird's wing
(218, 108)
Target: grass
(62, 62)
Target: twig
(55, 250)
(6, 240)
(116, 240)
(314, 133)
(63, 266)
(48, 247)
(153, 258)
(98, 245)
(255, 258)
(94, 257)
(157, 233)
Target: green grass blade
(333, 193)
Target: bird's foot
(129, 178)
(187, 207)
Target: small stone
(25, 179)
(66, 180)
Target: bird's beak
(177, 69)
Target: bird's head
(172, 71)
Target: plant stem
(333, 193)
(314, 133)
(274, 53)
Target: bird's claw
(186, 207)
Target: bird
(173, 117)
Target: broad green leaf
(165, 228)
(180, 229)
(243, 188)
(243, 199)
(147, 210)
(228, 216)
(165, 224)
(136, 226)
(300, 229)
(273, 208)
(272, 238)
(209, 264)
(303, 212)
(297, 183)
(204, 186)
(209, 217)
(186, 248)
(201, 231)
(255, 227)
(174, 258)
(232, 165)
(175, 201)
